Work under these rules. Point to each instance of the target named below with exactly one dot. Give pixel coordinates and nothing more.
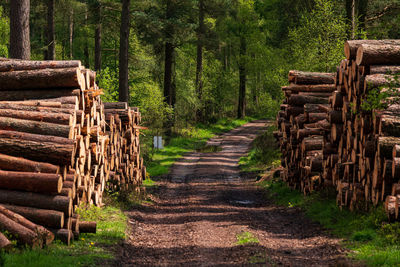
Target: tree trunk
(71, 33)
(199, 66)
(169, 57)
(19, 29)
(124, 52)
(97, 38)
(86, 48)
(50, 42)
(242, 79)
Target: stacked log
(360, 147)
(303, 121)
(54, 141)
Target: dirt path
(200, 212)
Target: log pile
(59, 147)
(357, 149)
(303, 121)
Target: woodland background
(225, 58)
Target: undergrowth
(367, 234)
(186, 140)
(246, 238)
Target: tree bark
(169, 54)
(19, 29)
(369, 54)
(310, 78)
(31, 182)
(242, 79)
(15, 65)
(300, 100)
(124, 52)
(22, 234)
(199, 60)
(87, 227)
(10, 163)
(71, 33)
(323, 88)
(50, 42)
(97, 37)
(350, 47)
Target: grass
(263, 153)
(246, 238)
(368, 235)
(89, 250)
(187, 140)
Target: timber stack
(54, 149)
(303, 121)
(361, 145)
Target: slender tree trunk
(71, 33)
(97, 39)
(362, 12)
(199, 67)
(50, 40)
(86, 49)
(169, 56)
(123, 52)
(20, 46)
(353, 20)
(242, 79)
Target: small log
(58, 118)
(87, 227)
(351, 46)
(115, 105)
(10, 163)
(15, 65)
(64, 235)
(390, 70)
(386, 144)
(300, 100)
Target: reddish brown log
(21, 233)
(379, 80)
(64, 235)
(87, 227)
(35, 200)
(58, 118)
(47, 218)
(41, 79)
(300, 100)
(386, 144)
(309, 78)
(391, 70)
(14, 65)
(383, 54)
(10, 163)
(37, 94)
(351, 46)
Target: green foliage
(317, 43)
(4, 34)
(107, 80)
(246, 238)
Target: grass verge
(88, 250)
(186, 140)
(367, 234)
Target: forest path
(199, 213)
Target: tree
(199, 60)
(19, 29)
(50, 41)
(169, 92)
(123, 52)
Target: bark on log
(369, 54)
(37, 94)
(47, 218)
(10, 163)
(115, 105)
(323, 88)
(351, 46)
(300, 100)
(64, 235)
(57, 118)
(5, 244)
(87, 227)
(16, 65)
(389, 126)
(309, 78)
(41, 79)
(31, 182)
(386, 144)
(36, 127)
(55, 150)
(379, 80)
(21, 233)
(35, 200)
(390, 70)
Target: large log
(389, 126)
(36, 200)
(58, 118)
(386, 144)
(309, 78)
(10, 163)
(36, 127)
(379, 80)
(391, 70)
(87, 227)
(300, 100)
(31, 182)
(15, 65)
(384, 54)
(37, 94)
(45, 235)
(324, 88)
(42, 79)
(351, 46)
(55, 150)
(47, 218)
(21, 233)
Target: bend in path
(200, 212)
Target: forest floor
(207, 214)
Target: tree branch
(386, 10)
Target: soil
(205, 205)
